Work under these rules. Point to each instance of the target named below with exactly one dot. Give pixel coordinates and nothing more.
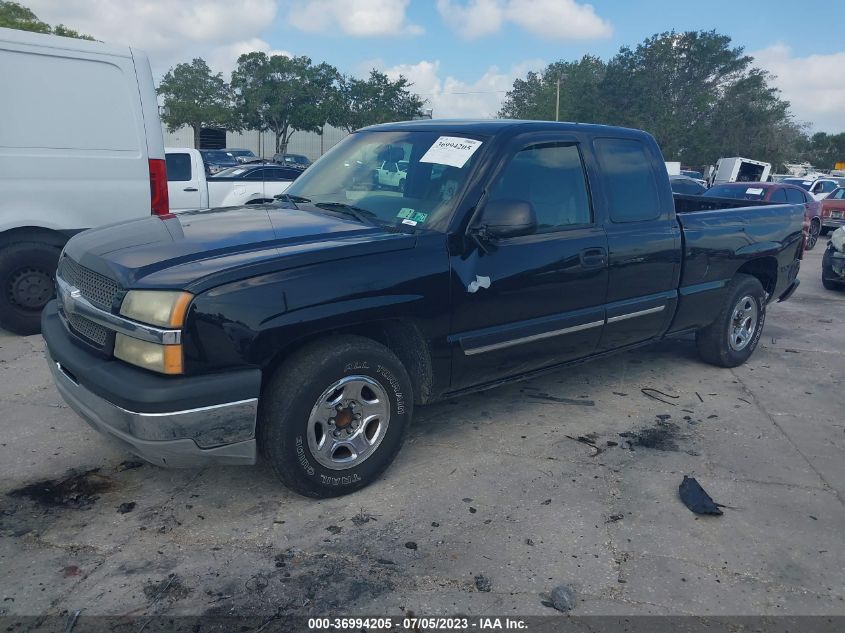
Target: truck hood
(196, 250)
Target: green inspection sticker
(419, 217)
(405, 213)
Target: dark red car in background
(775, 193)
(833, 211)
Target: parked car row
(191, 187)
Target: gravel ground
(493, 502)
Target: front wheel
(731, 339)
(335, 415)
(827, 278)
(27, 270)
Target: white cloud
(450, 97)
(170, 32)
(358, 18)
(814, 85)
(224, 58)
(552, 19)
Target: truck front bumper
(217, 426)
(832, 223)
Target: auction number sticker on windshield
(754, 191)
(451, 150)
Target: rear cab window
(178, 167)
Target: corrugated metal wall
(308, 143)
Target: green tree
(192, 95)
(825, 150)
(536, 96)
(362, 102)
(699, 95)
(283, 94)
(17, 16)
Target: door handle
(593, 258)
(190, 189)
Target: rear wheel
(335, 415)
(731, 339)
(27, 270)
(813, 237)
(401, 186)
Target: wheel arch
(404, 337)
(765, 270)
(34, 234)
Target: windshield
(240, 152)
(741, 192)
(422, 195)
(799, 182)
(692, 174)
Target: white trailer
(739, 169)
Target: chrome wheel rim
(348, 422)
(813, 238)
(743, 323)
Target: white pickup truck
(392, 174)
(189, 187)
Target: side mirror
(507, 218)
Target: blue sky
(462, 55)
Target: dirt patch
(168, 589)
(304, 583)
(661, 437)
(77, 491)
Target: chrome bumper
(173, 439)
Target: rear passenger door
(643, 240)
(536, 300)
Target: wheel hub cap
(30, 288)
(743, 323)
(348, 422)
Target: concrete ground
(490, 505)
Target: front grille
(94, 333)
(96, 288)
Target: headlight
(164, 308)
(165, 359)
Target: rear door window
(629, 179)
(794, 196)
(778, 195)
(178, 167)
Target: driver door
(535, 300)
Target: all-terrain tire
(743, 293)
(27, 273)
(300, 386)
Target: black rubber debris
(695, 497)
(482, 583)
(411, 545)
(563, 598)
(123, 508)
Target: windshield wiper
(289, 198)
(362, 215)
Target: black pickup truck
(311, 327)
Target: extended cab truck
(190, 187)
(310, 328)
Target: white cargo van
(739, 169)
(80, 146)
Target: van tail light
(159, 202)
